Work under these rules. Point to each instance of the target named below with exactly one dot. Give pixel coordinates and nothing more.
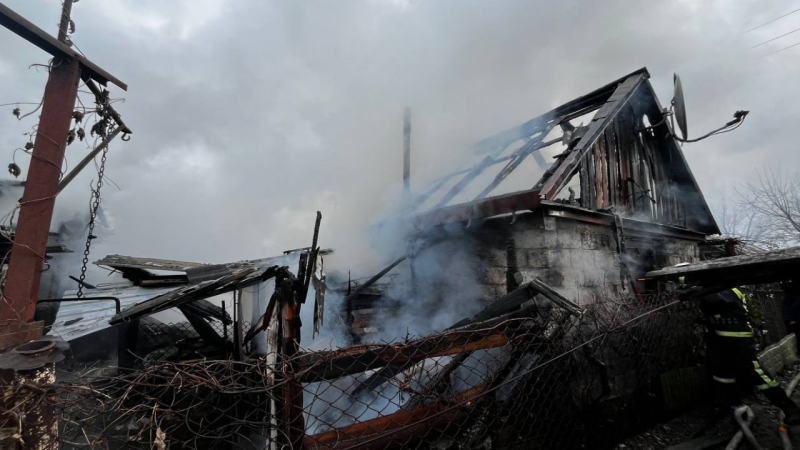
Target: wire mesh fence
(767, 300)
(530, 379)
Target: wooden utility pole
(36, 206)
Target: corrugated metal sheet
(76, 319)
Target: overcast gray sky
(249, 116)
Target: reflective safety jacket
(726, 314)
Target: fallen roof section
(238, 277)
(132, 262)
(767, 267)
(80, 318)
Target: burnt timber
(773, 266)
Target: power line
(785, 34)
(773, 20)
(784, 48)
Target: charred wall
(577, 258)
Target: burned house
(587, 197)
(614, 198)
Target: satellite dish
(680, 107)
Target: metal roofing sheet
(76, 319)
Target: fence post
(292, 388)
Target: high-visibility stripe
(724, 380)
(763, 387)
(767, 380)
(739, 294)
(736, 334)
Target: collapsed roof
(158, 285)
(617, 161)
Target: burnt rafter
(623, 163)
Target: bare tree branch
(765, 211)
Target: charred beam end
(493, 206)
(312, 260)
(320, 366)
(373, 280)
(506, 304)
(547, 292)
(391, 427)
(40, 38)
(778, 265)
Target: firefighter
(732, 353)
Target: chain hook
(95, 205)
(126, 136)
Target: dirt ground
(711, 421)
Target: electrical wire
(724, 129)
(769, 22)
(784, 48)
(776, 38)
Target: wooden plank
(592, 204)
(789, 257)
(320, 366)
(627, 142)
(120, 261)
(636, 174)
(401, 427)
(25, 265)
(492, 206)
(604, 167)
(585, 182)
(613, 166)
(40, 38)
(292, 389)
(598, 176)
(622, 161)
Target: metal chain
(95, 204)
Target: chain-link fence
(533, 378)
